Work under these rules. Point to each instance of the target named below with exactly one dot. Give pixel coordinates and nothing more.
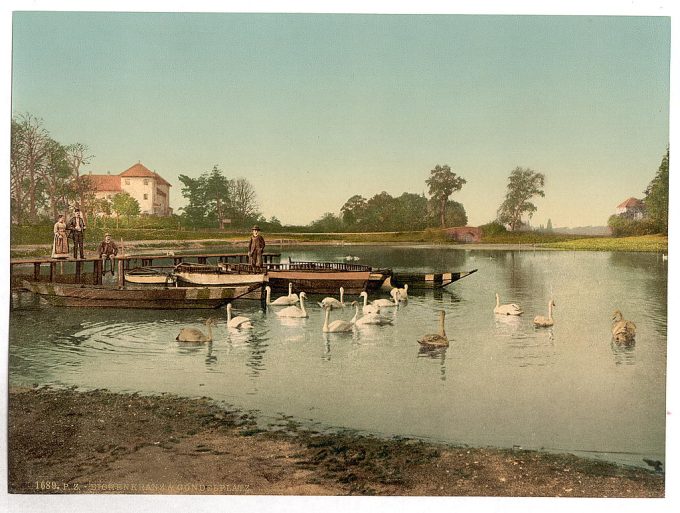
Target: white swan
(367, 309)
(196, 335)
(623, 331)
(374, 319)
(386, 303)
(337, 326)
(509, 309)
(290, 299)
(295, 311)
(436, 339)
(545, 322)
(239, 321)
(402, 293)
(331, 302)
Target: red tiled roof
(631, 202)
(105, 183)
(140, 170)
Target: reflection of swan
(374, 319)
(290, 299)
(295, 311)
(509, 309)
(196, 335)
(545, 322)
(368, 308)
(386, 303)
(331, 302)
(437, 339)
(623, 331)
(238, 321)
(337, 326)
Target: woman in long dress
(60, 244)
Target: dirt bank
(65, 441)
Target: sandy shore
(66, 441)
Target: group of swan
(540, 321)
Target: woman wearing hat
(256, 248)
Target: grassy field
(42, 236)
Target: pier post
(36, 271)
(121, 275)
(97, 269)
(79, 263)
(53, 270)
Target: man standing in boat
(256, 248)
(76, 228)
(107, 249)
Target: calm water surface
(500, 383)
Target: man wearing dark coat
(76, 229)
(256, 248)
(107, 249)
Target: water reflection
(624, 353)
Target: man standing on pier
(76, 227)
(256, 248)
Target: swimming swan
(196, 335)
(290, 299)
(374, 319)
(436, 339)
(509, 309)
(367, 309)
(402, 293)
(331, 302)
(337, 326)
(386, 303)
(295, 311)
(239, 321)
(623, 331)
(545, 322)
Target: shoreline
(66, 441)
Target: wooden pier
(89, 270)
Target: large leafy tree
(656, 200)
(442, 183)
(354, 212)
(216, 188)
(122, 204)
(523, 184)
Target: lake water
(500, 383)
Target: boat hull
(425, 281)
(219, 280)
(319, 282)
(98, 296)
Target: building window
(146, 196)
(127, 181)
(146, 181)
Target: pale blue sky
(315, 108)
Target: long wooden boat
(424, 281)
(220, 275)
(61, 294)
(150, 275)
(319, 277)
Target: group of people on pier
(75, 230)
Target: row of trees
(215, 200)
(45, 177)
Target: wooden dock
(89, 270)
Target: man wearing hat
(256, 248)
(76, 231)
(107, 249)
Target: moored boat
(78, 295)
(424, 281)
(319, 277)
(150, 275)
(219, 275)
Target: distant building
(151, 191)
(464, 233)
(632, 208)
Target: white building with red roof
(149, 188)
(632, 208)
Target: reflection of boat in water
(62, 294)
(217, 275)
(424, 281)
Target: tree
(55, 175)
(77, 156)
(523, 184)
(381, 212)
(328, 222)
(442, 183)
(656, 200)
(243, 201)
(123, 204)
(216, 188)
(549, 226)
(196, 210)
(354, 211)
